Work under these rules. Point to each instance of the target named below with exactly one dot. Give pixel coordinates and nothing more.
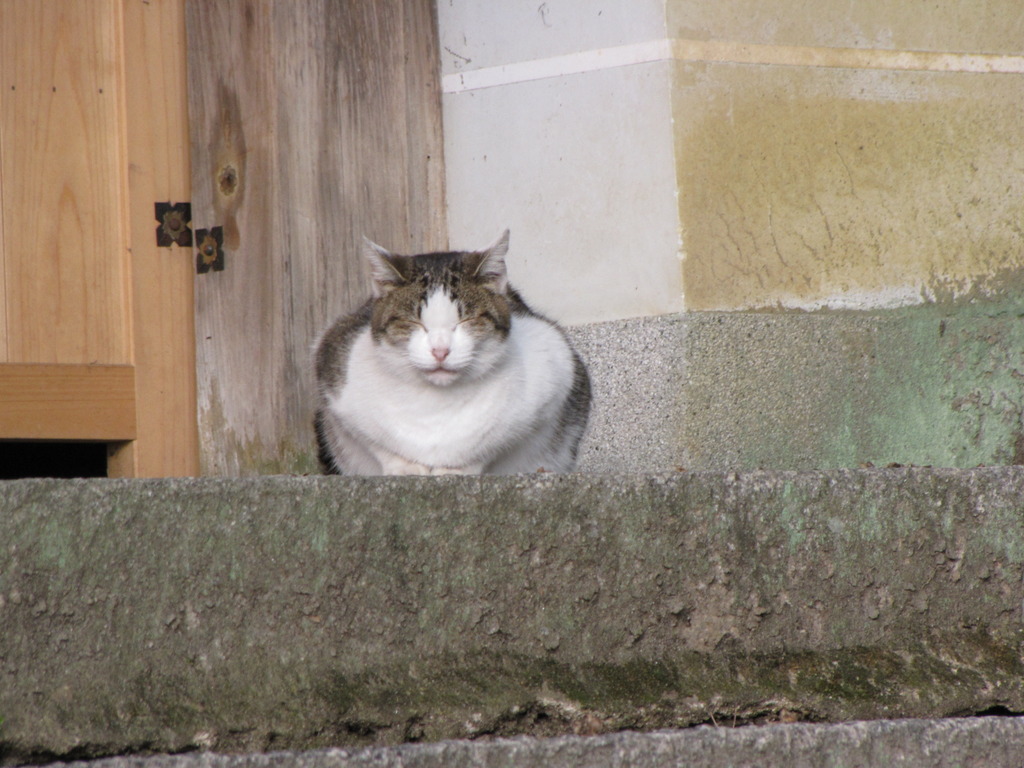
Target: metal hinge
(210, 247)
(174, 220)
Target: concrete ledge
(982, 742)
(295, 612)
(926, 385)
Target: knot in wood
(227, 180)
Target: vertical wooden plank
(232, 107)
(427, 221)
(312, 124)
(5, 67)
(163, 327)
(61, 148)
(6, 84)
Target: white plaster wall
(486, 33)
(565, 137)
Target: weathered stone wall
(931, 385)
(304, 612)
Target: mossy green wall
(917, 385)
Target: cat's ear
(383, 266)
(491, 269)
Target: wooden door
(96, 324)
(312, 124)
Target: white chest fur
(470, 423)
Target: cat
(446, 370)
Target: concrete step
(306, 612)
(982, 742)
(926, 385)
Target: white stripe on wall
(729, 52)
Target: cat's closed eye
(485, 318)
(478, 317)
(397, 325)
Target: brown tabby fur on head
(483, 309)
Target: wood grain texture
(67, 402)
(163, 327)
(4, 353)
(312, 124)
(64, 239)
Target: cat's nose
(439, 353)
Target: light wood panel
(4, 354)
(93, 132)
(163, 328)
(313, 124)
(67, 402)
(65, 249)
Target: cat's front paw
(472, 469)
(396, 465)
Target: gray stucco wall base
(936, 385)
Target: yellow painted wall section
(808, 187)
(978, 26)
(858, 157)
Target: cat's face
(441, 317)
